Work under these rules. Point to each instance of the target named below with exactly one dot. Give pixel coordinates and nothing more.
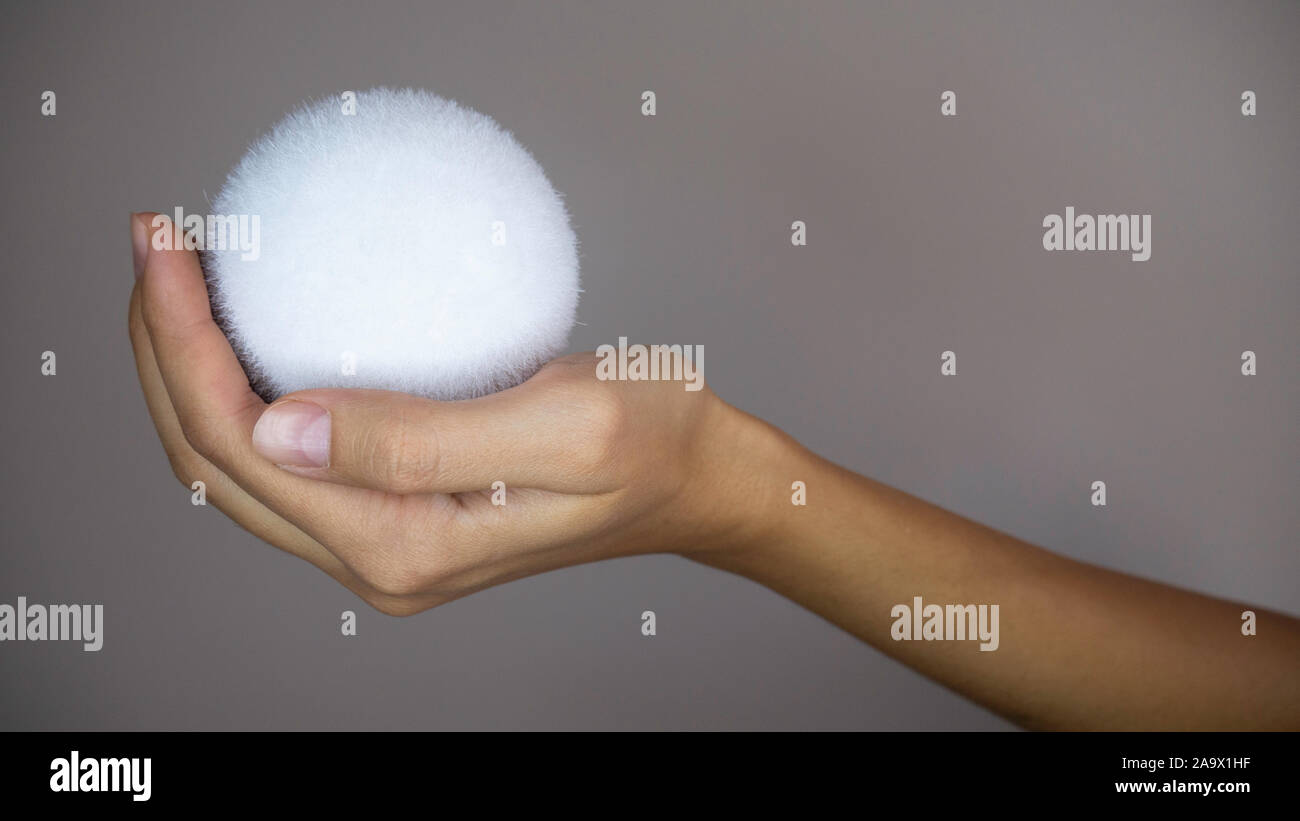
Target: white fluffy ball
(414, 245)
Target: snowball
(413, 245)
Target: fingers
(394, 460)
(232, 500)
(207, 386)
(397, 443)
(224, 494)
(402, 552)
(216, 410)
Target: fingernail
(139, 243)
(294, 433)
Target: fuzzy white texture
(377, 250)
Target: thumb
(527, 436)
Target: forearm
(1079, 647)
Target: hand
(392, 494)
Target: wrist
(748, 493)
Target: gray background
(924, 235)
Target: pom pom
(413, 245)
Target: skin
(401, 514)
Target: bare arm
(392, 495)
(1080, 647)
